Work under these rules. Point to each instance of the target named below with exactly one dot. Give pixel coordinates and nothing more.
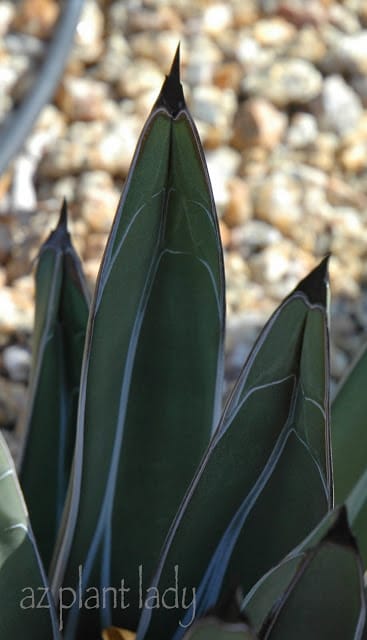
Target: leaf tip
(340, 532)
(315, 284)
(171, 96)
(63, 219)
(59, 238)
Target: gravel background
(278, 89)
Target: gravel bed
(278, 90)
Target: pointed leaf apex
(171, 96)
(340, 532)
(315, 285)
(59, 238)
(175, 67)
(63, 219)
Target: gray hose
(19, 123)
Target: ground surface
(278, 89)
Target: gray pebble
(16, 362)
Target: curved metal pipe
(18, 123)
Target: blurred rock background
(278, 90)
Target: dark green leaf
(152, 376)
(357, 514)
(267, 591)
(349, 440)
(22, 579)
(325, 598)
(50, 422)
(349, 429)
(265, 480)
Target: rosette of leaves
(183, 500)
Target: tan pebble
(338, 362)
(354, 158)
(98, 211)
(258, 123)
(273, 32)
(36, 17)
(321, 153)
(25, 285)
(308, 45)
(95, 246)
(278, 201)
(256, 155)
(16, 311)
(304, 236)
(227, 76)
(215, 136)
(149, 19)
(135, 79)
(5, 182)
(285, 82)
(82, 98)
(156, 46)
(270, 265)
(64, 158)
(340, 193)
(64, 188)
(88, 43)
(236, 265)
(239, 207)
(245, 14)
(301, 13)
(7, 12)
(91, 269)
(362, 12)
(216, 17)
(225, 233)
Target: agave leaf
(349, 429)
(22, 580)
(357, 514)
(267, 591)
(152, 374)
(326, 597)
(50, 422)
(265, 480)
(349, 442)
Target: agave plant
(175, 505)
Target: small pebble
(16, 361)
(278, 92)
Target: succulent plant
(181, 519)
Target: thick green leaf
(357, 514)
(326, 597)
(267, 591)
(214, 629)
(265, 480)
(152, 375)
(349, 443)
(50, 423)
(349, 429)
(23, 587)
